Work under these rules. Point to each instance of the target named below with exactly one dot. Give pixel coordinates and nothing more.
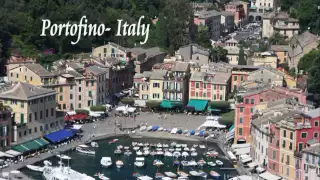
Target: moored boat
(103, 177)
(159, 153)
(35, 168)
(178, 149)
(146, 152)
(106, 162)
(186, 149)
(64, 157)
(149, 128)
(171, 149)
(136, 148)
(157, 162)
(194, 173)
(94, 144)
(139, 162)
(170, 174)
(189, 163)
(165, 145)
(127, 153)
(173, 144)
(203, 174)
(159, 175)
(126, 147)
(152, 153)
(193, 154)
(214, 174)
(113, 141)
(182, 174)
(159, 145)
(212, 164)
(139, 153)
(176, 162)
(176, 154)
(119, 164)
(85, 149)
(168, 154)
(140, 144)
(134, 143)
(117, 151)
(185, 154)
(202, 162)
(218, 162)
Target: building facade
(265, 59)
(227, 22)
(240, 11)
(5, 127)
(311, 162)
(211, 19)
(34, 110)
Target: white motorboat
(85, 149)
(140, 144)
(170, 174)
(159, 149)
(117, 151)
(139, 162)
(146, 152)
(35, 168)
(202, 162)
(212, 154)
(159, 145)
(165, 145)
(173, 144)
(186, 149)
(160, 129)
(157, 162)
(146, 144)
(185, 131)
(136, 148)
(146, 148)
(189, 163)
(194, 154)
(127, 153)
(194, 173)
(63, 172)
(218, 162)
(202, 146)
(184, 145)
(139, 153)
(182, 174)
(94, 144)
(168, 154)
(120, 147)
(178, 145)
(103, 177)
(171, 149)
(64, 157)
(178, 149)
(143, 128)
(183, 178)
(166, 178)
(159, 153)
(184, 154)
(195, 146)
(212, 164)
(193, 149)
(149, 128)
(119, 164)
(144, 178)
(134, 143)
(152, 153)
(176, 154)
(126, 147)
(106, 161)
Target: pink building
(240, 10)
(274, 151)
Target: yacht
(85, 149)
(159, 145)
(139, 153)
(168, 154)
(64, 157)
(146, 152)
(106, 161)
(94, 144)
(139, 162)
(127, 153)
(65, 173)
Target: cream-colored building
(34, 110)
(266, 59)
(110, 50)
(156, 85)
(33, 74)
(267, 76)
(279, 22)
(232, 46)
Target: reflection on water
(90, 164)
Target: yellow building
(291, 82)
(33, 74)
(287, 148)
(265, 59)
(34, 110)
(110, 50)
(156, 85)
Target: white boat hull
(139, 164)
(35, 168)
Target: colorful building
(282, 52)
(156, 84)
(142, 84)
(5, 127)
(240, 10)
(240, 74)
(311, 162)
(34, 110)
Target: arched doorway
(251, 18)
(241, 141)
(258, 18)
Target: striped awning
(31, 145)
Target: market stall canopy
(2, 154)
(260, 169)
(31, 145)
(59, 136)
(211, 124)
(242, 151)
(13, 153)
(77, 126)
(199, 105)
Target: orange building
(282, 51)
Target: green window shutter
(61, 89)
(215, 97)
(21, 118)
(240, 131)
(220, 97)
(61, 98)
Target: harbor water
(90, 164)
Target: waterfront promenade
(107, 128)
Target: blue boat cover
(201, 133)
(154, 128)
(60, 135)
(192, 132)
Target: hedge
(227, 118)
(153, 104)
(98, 108)
(81, 111)
(222, 105)
(128, 101)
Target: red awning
(76, 117)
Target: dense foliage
(221, 105)
(227, 118)
(128, 101)
(81, 111)
(98, 108)
(242, 60)
(306, 62)
(21, 23)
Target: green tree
(98, 108)
(222, 105)
(128, 101)
(292, 72)
(152, 104)
(203, 38)
(314, 76)
(277, 39)
(227, 118)
(242, 60)
(306, 62)
(218, 54)
(162, 32)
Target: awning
(168, 104)
(260, 169)
(77, 126)
(2, 154)
(242, 151)
(213, 124)
(60, 135)
(231, 127)
(269, 176)
(252, 165)
(13, 153)
(253, 7)
(31, 145)
(76, 117)
(246, 160)
(199, 105)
